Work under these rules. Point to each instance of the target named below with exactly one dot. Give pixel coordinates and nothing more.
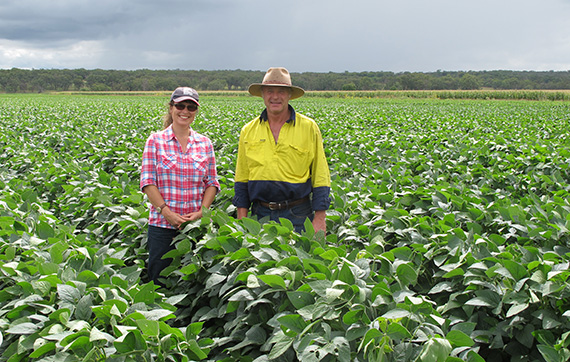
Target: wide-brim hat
(276, 77)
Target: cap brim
(255, 89)
(185, 98)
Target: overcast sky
(301, 35)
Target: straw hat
(276, 77)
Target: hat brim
(255, 89)
(185, 98)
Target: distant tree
(349, 86)
(469, 82)
(414, 81)
(217, 84)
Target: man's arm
(241, 212)
(319, 221)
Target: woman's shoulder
(199, 137)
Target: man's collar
(263, 116)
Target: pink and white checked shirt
(180, 177)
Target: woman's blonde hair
(167, 118)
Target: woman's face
(183, 113)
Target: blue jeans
(297, 214)
(159, 243)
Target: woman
(178, 175)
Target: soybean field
(448, 237)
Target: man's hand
(319, 221)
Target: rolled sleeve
(321, 198)
(148, 167)
(241, 196)
(212, 175)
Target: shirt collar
(263, 116)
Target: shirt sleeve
(320, 175)
(148, 167)
(241, 192)
(211, 178)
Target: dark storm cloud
(316, 35)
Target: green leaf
(96, 335)
(48, 268)
(346, 275)
(287, 223)
(485, 298)
(46, 348)
(516, 309)
(549, 353)
(282, 344)
(300, 299)
(252, 226)
(23, 328)
(194, 330)
(146, 294)
(68, 294)
(397, 332)
(130, 343)
(44, 230)
(435, 349)
(214, 279)
(352, 317)
(274, 281)
(293, 322)
(149, 327)
(459, 339)
(406, 274)
(83, 310)
(189, 269)
(197, 350)
(517, 271)
(396, 314)
(57, 252)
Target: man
(281, 170)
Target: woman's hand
(173, 218)
(193, 215)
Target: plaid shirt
(180, 177)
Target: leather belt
(283, 205)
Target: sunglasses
(191, 106)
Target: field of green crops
(448, 238)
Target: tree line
(17, 80)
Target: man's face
(276, 99)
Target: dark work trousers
(159, 243)
(297, 214)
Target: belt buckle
(274, 206)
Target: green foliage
(152, 81)
(447, 239)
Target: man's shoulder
(256, 122)
(305, 121)
(303, 118)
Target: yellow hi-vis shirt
(288, 170)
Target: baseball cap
(184, 94)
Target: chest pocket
(168, 162)
(188, 167)
(256, 153)
(195, 165)
(295, 161)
